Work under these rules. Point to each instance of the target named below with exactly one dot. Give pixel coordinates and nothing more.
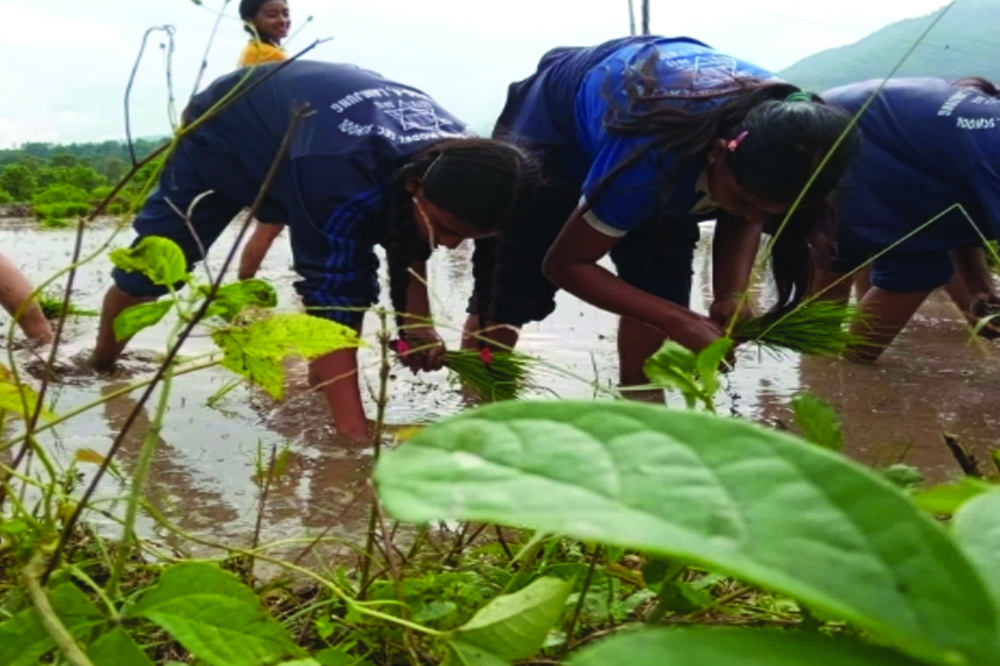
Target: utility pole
(631, 17)
(645, 17)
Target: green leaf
(333, 657)
(462, 654)
(231, 299)
(820, 423)
(734, 647)
(301, 662)
(945, 500)
(674, 366)
(708, 362)
(435, 610)
(117, 649)
(257, 350)
(977, 530)
(726, 495)
(24, 639)
(160, 259)
(132, 320)
(14, 397)
(514, 626)
(906, 477)
(215, 617)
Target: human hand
(424, 349)
(723, 310)
(695, 332)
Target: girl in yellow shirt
(268, 23)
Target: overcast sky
(64, 64)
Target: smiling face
(272, 21)
(725, 191)
(436, 225)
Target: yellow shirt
(258, 53)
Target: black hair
(248, 12)
(486, 183)
(979, 83)
(776, 146)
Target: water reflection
(204, 475)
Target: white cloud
(65, 65)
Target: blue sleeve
(334, 228)
(632, 197)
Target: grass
(814, 328)
(51, 305)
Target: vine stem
(383, 399)
(149, 445)
(579, 602)
(53, 625)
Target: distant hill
(965, 43)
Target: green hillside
(965, 43)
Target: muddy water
(203, 476)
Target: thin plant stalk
(571, 629)
(397, 577)
(145, 461)
(262, 502)
(53, 625)
(383, 399)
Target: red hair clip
(735, 143)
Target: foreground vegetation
(584, 533)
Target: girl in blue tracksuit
(640, 139)
(927, 145)
(373, 162)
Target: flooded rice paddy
(204, 478)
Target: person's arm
(256, 248)
(427, 347)
(734, 251)
(15, 295)
(571, 264)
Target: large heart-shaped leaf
(733, 497)
(735, 647)
(215, 617)
(977, 529)
(117, 648)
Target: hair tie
(735, 143)
(800, 96)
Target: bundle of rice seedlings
(814, 328)
(493, 375)
(51, 305)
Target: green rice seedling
(494, 375)
(51, 305)
(815, 328)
